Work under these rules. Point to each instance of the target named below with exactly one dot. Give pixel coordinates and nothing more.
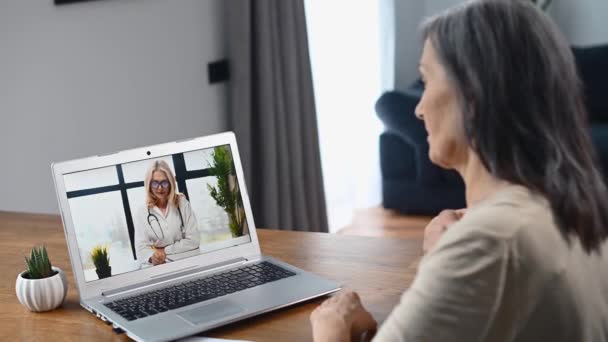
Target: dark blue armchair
(412, 185)
(592, 63)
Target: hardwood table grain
(380, 269)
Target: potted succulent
(227, 194)
(100, 258)
(41, 287)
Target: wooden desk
(380, 269)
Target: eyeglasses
(156, 184)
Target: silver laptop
(163, 243)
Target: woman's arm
(192, 238)
(330, 321)
(456, 294)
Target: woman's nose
(418, 112)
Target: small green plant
(227, 194)
(100, 258)
(38, 264)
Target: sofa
(592, 63)
(412, 185)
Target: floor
(382, 222)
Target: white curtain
(346, 49)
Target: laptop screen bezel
(95, 288)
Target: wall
(582, 21)
(95, 77)
(408, 16)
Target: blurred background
(302, 81)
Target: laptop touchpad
(211, 312)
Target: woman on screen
(166, 224)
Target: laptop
(163, 243)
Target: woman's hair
(151, 200)
(522, 106)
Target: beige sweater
(505, 273)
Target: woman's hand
(438, 225)
(159, 256)
(342, 318)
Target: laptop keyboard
(198, 290)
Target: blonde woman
(166, 224)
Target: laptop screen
(145, 213)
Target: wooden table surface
(380, 269)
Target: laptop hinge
(170, 277)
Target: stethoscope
(152, 216)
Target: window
(212, 220)
(350, 161)
(91, 179)
(198, 160)
(136, 171)
(109, 229)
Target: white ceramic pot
(42, 294)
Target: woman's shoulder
(182, 201)
(515, 216)
(517, 226)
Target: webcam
(148, 153)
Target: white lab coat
(176, 239)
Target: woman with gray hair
(527, 260)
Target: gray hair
(522, 106)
